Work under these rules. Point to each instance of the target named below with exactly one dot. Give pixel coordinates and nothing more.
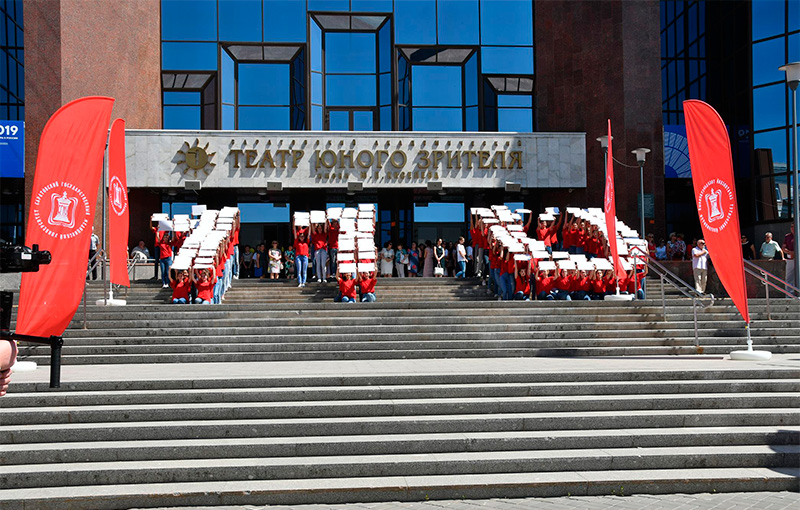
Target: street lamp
(793, 80)
(604, 144)
(640, 157)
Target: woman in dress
(400, 261)
(274, 261)
(413, 260)
(387, 260)
(439, 254)
(427, 271)
(288, 262)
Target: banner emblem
(68, 214)
(119, 196)
(715, 205)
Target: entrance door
(350, 119)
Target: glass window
(768, 18)
(436, 85)
(228, 81)
(264, 117)
(794, 50)
(316, 47)
(264, 84)
(349, 52)
(201, 17)
(769, 107)
(182, 98)
(257, 212)
(496, 60)
(316, 118)
(386, 89)
(240, 20)
(181, 117)
(189, 56)
(350, 90)
(386, 118)
(385, 49)
(328, 5)
(514, 100)
(316, 88)
(339, 120)
(794, 16)
(458, 21)
(472, 119)
(437, 212)
(437, 119)
(768, 56)
(415, 22)
(471, 80)
(177, 208)
(775, 140)
(371, 5)
(507, 22)
(228, 117)
(285, 20)
(362, 121)
(515, 119)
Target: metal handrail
(763, 277)
(668, 276)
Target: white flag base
(110, 301)
(751, 355)
(618, 297)
(24, 366)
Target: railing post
(694, 310)
(663, 298)
(84, 306)
(766, 288)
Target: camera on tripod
(21, 259)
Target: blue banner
(676, 152)
(12, 148)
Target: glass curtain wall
(443, 65)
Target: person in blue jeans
(461, 258)
(301, 248)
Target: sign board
(12, 148)
(649, 204)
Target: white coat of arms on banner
(715, 205)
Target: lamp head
(603, 141)
(640, 154)
(792, 71)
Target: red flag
(715, 192)
(610, 208)
(68, 171)
(118, 223)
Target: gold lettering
(363, 176)
(328, 162)
(296, 157)
(501, 155)
(452, 159)
(437, 157)
(346, 155)
(484, 159)
(283, 153)
(515, 156)
(266, 158)
(250, 156)
(317, 159)
(360, 159)
(402, 161)
(469, 155)
(424, 160)
(378, 159)
(236, 153)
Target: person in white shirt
(461, 258)
(769, 248)
(700, 266)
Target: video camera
(21, 259)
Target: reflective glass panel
(386, 88)
(349, 52)
(513, 100)
(240, 20)
(188, 21)
(316, 118)
(285, 20)
(339, 120)
(496, 60)
(189, 56)
(386, 118)
(471, 80)
(181, 117)
(328, 5)
(769, 107)
(256, 212)
(437, 119)
(362, 121)
(458, 21)
(515, 119)
(768, 18)
(263, 84)
(794, 48)
(472, 119)
(228, 117)
(794, 17)
(507, 22)
(264, 117)
(439, 213)
(371, 5)
(350, 90)
(316, 47)
(316, 88)
(385, 49)
(768, 56)
(415, 22)
(182, 98)
(436, 85)
(775, 140)
(228, 87)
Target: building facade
(363, 74)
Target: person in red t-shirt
(522, 279)
(180, 287)
(333, 244)
(366, 283)
(204, 286)
(547, 231)
(319, 243)
(347, 288)
(598, 282)
(562, 285)
(544, 285)
(475, 234)
(164, 251)
(301, 250)
(581, 286)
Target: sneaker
(165, 286)
(299, 285)
(324, 281)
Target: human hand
(8, 356)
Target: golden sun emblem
(196, 158)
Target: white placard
(365, 225)
(601, 264)
(546, 217)
(547, 265)
(317, 216)
(366, 207)
(540, 255)
(303, 221)
(522, 258)
(180, 264)
(366, 267)
(165, 226)
(349, 212)
(522, 211)
(566, 264)
(558, 255)
(519, 235)
(366, 243)
(334, 213)
(348, 267)
(346, 245)
(366, 255)
(514, 228)
(198, 210)
(347, 225)
(515, 248)
(490, 221)
(345, 257)
(577, 258)
(551, 210)
(585, 265)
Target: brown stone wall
(76, 48)
(599, 60)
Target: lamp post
(604, 144)
(641, 153)
(793, 80)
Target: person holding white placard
(301, 249)
(522, 287)
(180, 287)
(347, 288)
(319, 242)
(544, 285)
(366, 283)
(204, 286)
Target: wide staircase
(437, 391)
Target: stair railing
(699, 300)
(779, 284)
